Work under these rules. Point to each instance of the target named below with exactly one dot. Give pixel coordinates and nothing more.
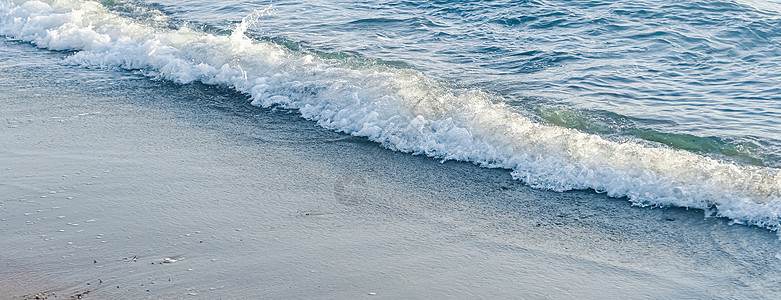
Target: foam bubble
(401, 108)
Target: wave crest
(401, 108)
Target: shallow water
(706, 68)
(100, 167)
(418, 109)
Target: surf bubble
(401, 108)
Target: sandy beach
(116, 186)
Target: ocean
(671, 104)
(661, 103)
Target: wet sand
(117, 186)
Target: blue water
(707, 70)
(662, 102)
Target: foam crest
(401, 108)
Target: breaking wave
(399, 107)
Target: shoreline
(100, 167)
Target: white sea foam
(400, 108)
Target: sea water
(665, 103)
(133, 164)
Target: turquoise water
(665, 103)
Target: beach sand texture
(115, 186)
